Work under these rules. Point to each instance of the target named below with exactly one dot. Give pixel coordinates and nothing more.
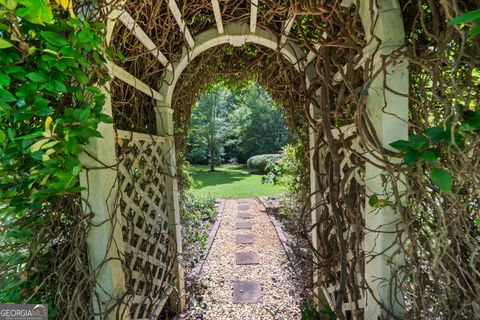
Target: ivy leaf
(4, 80)
(10, 4)
(410, 158)
(418, 141)
(430, 156)
(54, 39)
(105, 118)
(373, 200)
(6, 96)
(37, 76)
(437, 134)
(38, 145)
(36, 11)
(3, 136)
(401, 145)
(80, 77)
(5, 44)
(442, 179)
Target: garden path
(247, 274)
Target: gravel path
(280, 289)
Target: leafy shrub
(261, 161)
(291, 172)
(198, 214)
(51, 69)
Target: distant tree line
(230, 125)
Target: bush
(261, 161)
(197, 216)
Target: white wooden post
(165, 129)
(104, 238)
(388, 113)
(315, 199)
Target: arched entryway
(384, 109)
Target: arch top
(235, 34)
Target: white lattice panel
(149, 248)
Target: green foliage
(375, 202)
(469, 17)
(436, 143)
(309, 312)
(258, 126)
(263, 161)
(209, 126)
(328, 312)
(50, 107)
(198, 213)
(283, 171)
(292, 174)
(234, 122)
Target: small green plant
(198, 213)
(309, 312)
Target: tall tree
(229, 124)
(208, 127)
(258, 123)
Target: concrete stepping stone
(247, 292)
(244, 215)
(244, 258)
(243, 207)
(244, 239)
(243, 201)
(244, 225)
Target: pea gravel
(280, 286)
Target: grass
(231, 182)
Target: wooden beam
(125, 76)
(172, 4)
(218, 16)
(312, 54)
(286, 30)
(346, 3)
(131, 24)
(253, 16)
(131, 135)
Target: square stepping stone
(243, 207)
(243, 201)
(244, 215)
(244, 225)
(249, 257)
(247, 292)
(244, 239)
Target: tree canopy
(233, 124)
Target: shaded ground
(232, 182)
(279, 284)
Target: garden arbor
(139, 250)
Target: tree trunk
(212, 136)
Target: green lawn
(231, 182)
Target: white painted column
(320, 295)
(321, 298)
(165, 128)
(104, 238)
(388, 113)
